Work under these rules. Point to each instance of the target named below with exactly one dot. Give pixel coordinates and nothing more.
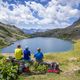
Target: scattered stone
(72, 59)
(77, 70)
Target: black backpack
(54, 66)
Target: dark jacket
(27, 54)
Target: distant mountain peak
(31, 31)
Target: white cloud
(20, 13)
(56, 14)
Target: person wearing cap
(18, 53)
(27, 54)
(39, 55)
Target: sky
(39, 14)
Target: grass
(68, 62)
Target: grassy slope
(68, 62)
(9, 34)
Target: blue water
(46, 44)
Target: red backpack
(53, 68)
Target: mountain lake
(47, 45)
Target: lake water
(46, 44)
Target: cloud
(20, 13)
(57, 14)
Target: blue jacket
(26, 55)
(38, 56)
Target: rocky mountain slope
(9, 34)
(70, 32)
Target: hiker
(39, 56)
(18, 52)
(27, 54)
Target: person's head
(18, 46)
(38, 49)
(27, 48)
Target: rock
(72, 59)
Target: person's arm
(34, 55)
(29, 53)
(42, 55)
(15, 51)
(21, 52)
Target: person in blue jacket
(26, 54)
(38, 56)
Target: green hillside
(70, 32)
(9, 34)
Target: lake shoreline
(49, 53)
(1, 47)
(7, 54)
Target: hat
(38, 49)
(27, 47)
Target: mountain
(76, 23)
(31, 31)
(9, 34)
(69, 32)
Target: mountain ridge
(69, 32)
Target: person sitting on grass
(18, 52)
(39, 56)
(27, 54)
